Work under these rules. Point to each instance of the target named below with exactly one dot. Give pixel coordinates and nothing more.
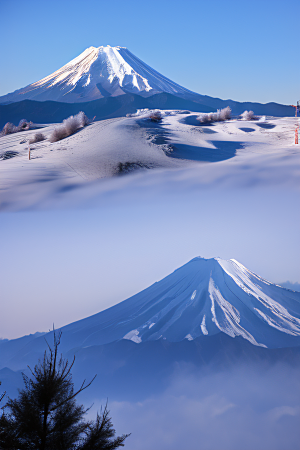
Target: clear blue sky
(243, 50)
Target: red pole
(296, 135)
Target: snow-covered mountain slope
(97, 73)
(202, 298)
(208, 301)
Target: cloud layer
(230, 410)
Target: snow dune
(176, 152)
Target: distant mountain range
(117, 83)
(104, 108)
(209, 312)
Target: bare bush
(146, 113)
(38, 137)
(139, 112)
(219, 116)
(69, 127)
(24, 125)
(248, 115)
(155, 116)
(10, 128)
(171, 113)
(58, 134)
(82, 119)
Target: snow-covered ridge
(96, 73)
(202, 298)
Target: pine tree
(2, 395)
(46, 416)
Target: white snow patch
(87, 81)
(189, 337)
(133, 336)
(284, 322)
(203, 326)
(193, 295)
(151, 325)
(231, 316)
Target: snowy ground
(175, 154)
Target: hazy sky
(246, 51)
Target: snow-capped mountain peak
(205, 300)
(202, 298)
(96, 73)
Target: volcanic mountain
(203, 298)
(210, 313)
(97, 73)
(105, 75)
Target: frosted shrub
(10, 128)
(58, 134)
(69, 127)
(139, 112)
(219, 116)
(224, 114)
(155, 116)
(38, 137)
(171, 113)
(82, 119)
(24, 125)
(247, 115)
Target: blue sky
(243, 50)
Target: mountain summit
(208, 301)
(202, 298)
(103, 73)
(96, 73)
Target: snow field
(234, 153)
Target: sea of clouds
(239, 409)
